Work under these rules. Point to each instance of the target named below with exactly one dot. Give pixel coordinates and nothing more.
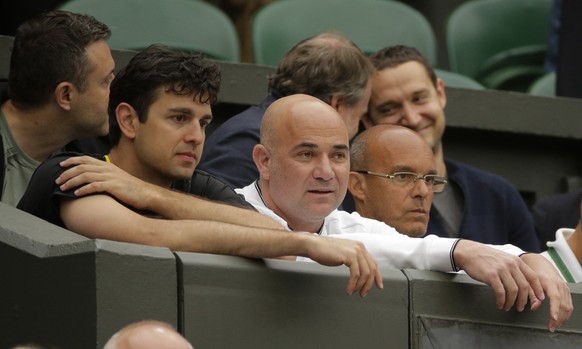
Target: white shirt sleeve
(507, 248)
(402, 252)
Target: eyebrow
(181, 110)
(188, 111)
(404, 168)
(185, 110)
(315, 146)
(306, 145)
(109, 75)
(386, 103)
(421, 90)
(341, 147)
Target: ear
(127, 120)
(336, 102)
(357, 186)
(261, 157)
(65, 93)
(441, 92)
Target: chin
(413, 231)
(319, 212)
(182, 176)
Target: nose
(420, 188)
(409, 117)
(195, 134)
(323, 170)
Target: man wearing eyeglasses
(475, 205)
(394, 177)
(390, 161)
(304, 166)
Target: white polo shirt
(389, 248)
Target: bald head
(292, 112)
(303, 160)
(371, 145)
(148, 335)
(385, 150)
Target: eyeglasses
(407, 179)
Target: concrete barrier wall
(454, 311)
(59, 288)
(231, 302)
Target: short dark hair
(322, 66)
(156, 67)
(393, 56)
(48, 50)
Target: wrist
(154, 199)
(526, 255)
(454, 258)
(306, 243)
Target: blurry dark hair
(48, 50)
(393, 56)
(322, 66)
(156, 67)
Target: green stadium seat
(544, 86)
(371, 24)
(500, 43)
(187, 25)
(452, 79)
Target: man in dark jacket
(554, 212)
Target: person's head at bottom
(148, 334)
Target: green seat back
(500, 43)
(544, 86)
(182, 24)
(371, 24)
(453, 79)
(513, 69)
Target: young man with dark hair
(60, 71)
(159, 108)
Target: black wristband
(453, 263)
